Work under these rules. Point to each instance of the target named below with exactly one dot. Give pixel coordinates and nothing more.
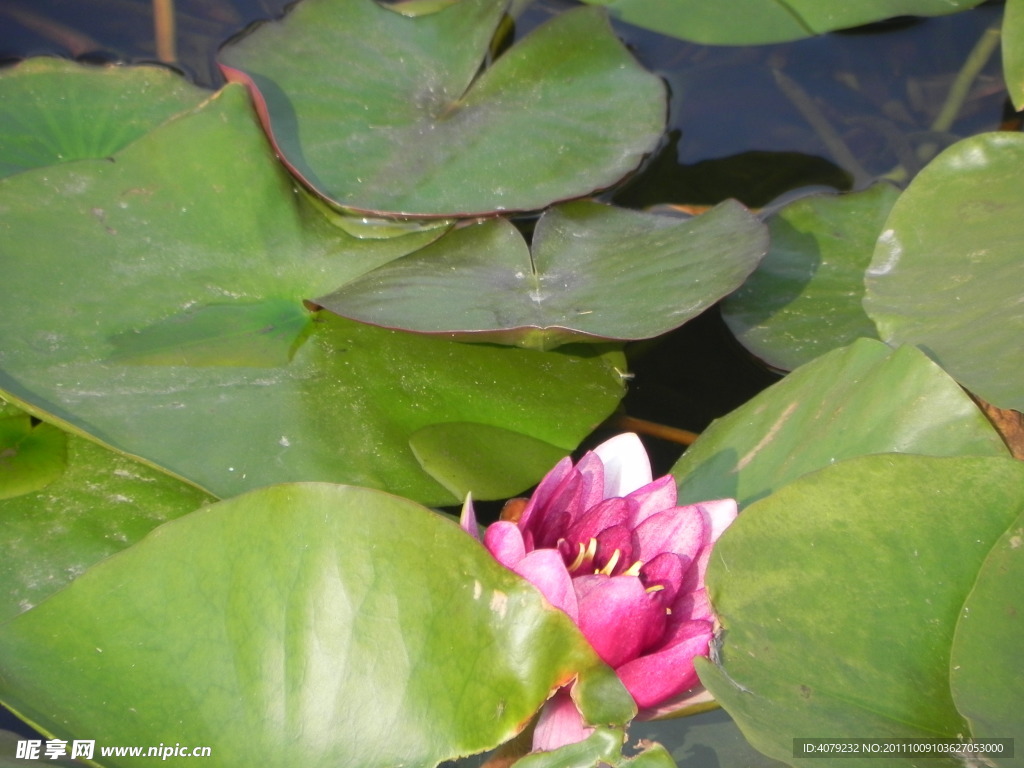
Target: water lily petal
(653, 497)
(626, 466)
(545, 569)
(504, 540)
(617, 539)
(653, 678)
(468, 518)
(560, 723)
(617, 616)
(546, 490)
(603, 515)
(682, 530)
(720, 513)
(665, 571)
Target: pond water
(759, 123)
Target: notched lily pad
(54, 111)
(381, 112)
(589, 269)
(261, 334)
(31, 456)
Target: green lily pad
(261, 334)
(590, 267)
(197, 231)
(471, 458)
(31, 455)
(381, 112)
(861, 399)
(54, 111)
(839, 595)
(948, 271)
(304, 625)
(96, 502)
(804, 298)
(754, 22)
(987, 680)
(1013, 51)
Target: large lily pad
(948, 271)
(95, 502)
(987, 679)
(840, 593)
(383, 112)
(861, 399)
(754, 22)
(1013, 51)
(593, 273)
(155, 304)
(54, 111)
(305, 624)
(804, 298)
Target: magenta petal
(603, 515)
(666, 571)
(545, 569)
(591, 469)
(682, 530)
(653, 678)
(546, 490)
(504, 540)
(618, 617)
(560, 723)
(619, 539)
(653, 497)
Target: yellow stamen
(612, 562)
(579, 559)
(655, 588)
(634, 569)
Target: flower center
(586, 556)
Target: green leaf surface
(987, 679)
(754, 22)
(1013, 51)
(804, 298)
(301, 624)
(861, 399)
(258, 335)
(31, 456)
(602, 747)
(386, 113)
(472, 458)
(197, 226)
(593, 273)
(948, 270)
(839, 595)
(97, 503)
(54, 111)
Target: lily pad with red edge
(593, 273)
(386, 113)
(183, 339)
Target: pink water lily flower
(609, 546)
